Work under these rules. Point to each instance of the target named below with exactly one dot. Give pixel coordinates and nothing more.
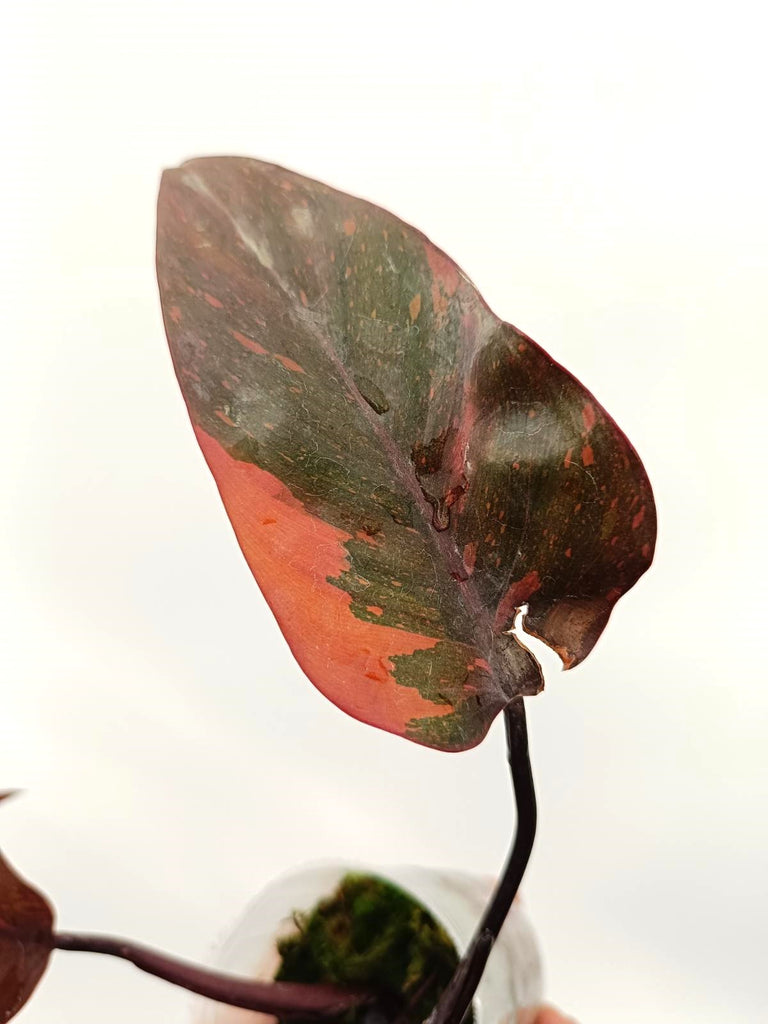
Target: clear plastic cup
(511, 986)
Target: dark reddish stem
(456, 998)
(281, 998)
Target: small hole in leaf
(548, 659)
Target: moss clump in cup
(370, 934)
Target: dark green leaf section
(458, 471)
(370, 934)
(466, 687)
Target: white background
(599, 170)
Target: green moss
(370, 934)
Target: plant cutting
(408, 477)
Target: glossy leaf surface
(402, 469)
(26, 928)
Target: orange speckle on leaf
(470, 556)
(349, 227)
(587, 455)
(638, 518)
(414, 306)
(568, 457)
(224, 418)
(289, 364)
(268, 522)
(367, 538)
(249, 343)
(568, 552)
(213, 301)
(443, 270)
(348, 274)
(175, 314)
(374, 609)
(303, 297)
(588, 416)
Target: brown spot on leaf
(428, 458)
(372, 394)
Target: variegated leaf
(403, 470)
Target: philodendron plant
(406, 474)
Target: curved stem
(457, 996)
(281, 998)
